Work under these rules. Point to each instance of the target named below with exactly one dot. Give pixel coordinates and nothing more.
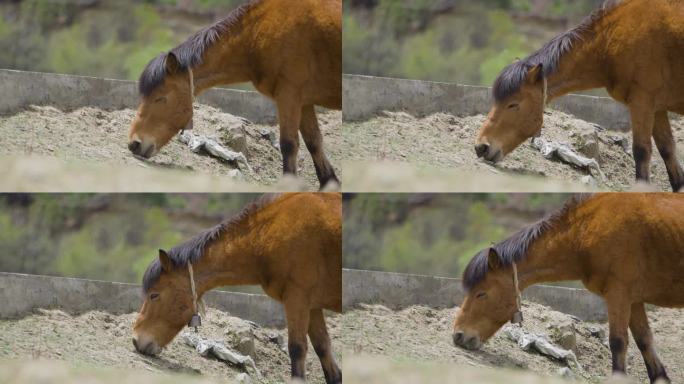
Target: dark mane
(513, 76)
(190, 53)
(192, 250)
(514, 248)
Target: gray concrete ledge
(398, 290)
(364, 97)
(21, 294)
(19, 89)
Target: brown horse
(291, 51)
(632, 48)
(289, 244)
(624, 247)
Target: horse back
(644, 51)
(635, 242)
(303, 248)
(298, 46)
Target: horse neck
(229, 260)
(580, 68)
(552, 257)
(228, 60)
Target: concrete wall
(397, 290)
(364, 97)
(21, 294)
(20, 89)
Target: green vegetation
(466, 42)
(107, 237)
(433, 234)
(106, 39)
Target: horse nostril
(481, 149)
(134, 146)
(458, 338)
(135, 344)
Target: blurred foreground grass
(55, 372)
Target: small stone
(566, 373)
(568, 341)
(237, 329)
(235, 174)
(621, 141)
(597, 332)
(588, 142)
(565, 335)
(246, 347)
(278, 340)
(235, 137)
(589, 180)
(243, 378)
(271, 136)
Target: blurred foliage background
(433, 234)
(103, 236)
(114, 237)
(105, 38)
(463, 41)
(451, 40)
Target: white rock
(243, 378)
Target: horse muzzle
(150, 348)
(472, 343)
(488, 153)
(137, 148)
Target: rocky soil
(380, 344)
(443, 142)
(420, 335)
(91, 136)
(98, 339)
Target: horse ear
(172, 64)
(535, 74)
(493, 259)
(164, 260)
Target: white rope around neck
(192, 97)
(192, 84)
(197, 304)
(518, 296)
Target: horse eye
(514, 105)
(481, 295)
(154, 296)
(161, 99)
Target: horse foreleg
(642, 131)
(318, 334)
(297, 314)
(662, 133)
(289, 118)
(314, 143)
(618, 338)
(638, 324)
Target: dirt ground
(363, 369)
(56, 372)
(444, 142)
(383, 176)
(419, 335)
(93, 136)
(98, 339)
(378, 343)
(35, 174)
